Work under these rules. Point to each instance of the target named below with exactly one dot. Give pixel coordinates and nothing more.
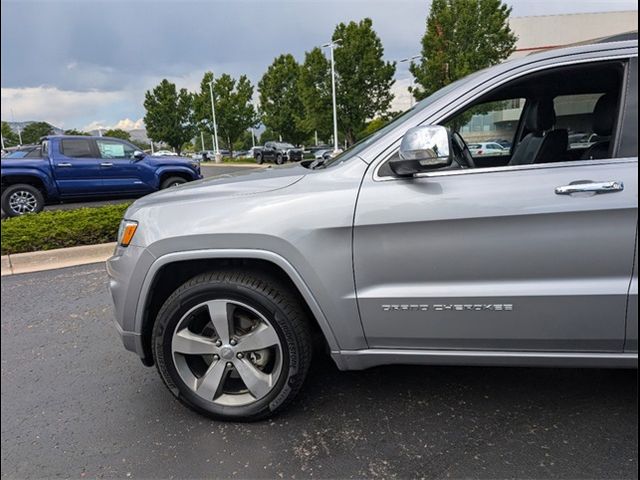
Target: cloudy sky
(86, 63)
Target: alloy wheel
(227, 352)
(23, 201)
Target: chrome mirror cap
(423, 148)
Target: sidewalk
(52, 259)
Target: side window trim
(392, 148)
(628, 101)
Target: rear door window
(77, 147)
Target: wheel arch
(170, 271)
(165, 173)
(29, 179)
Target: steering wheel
(461, 151)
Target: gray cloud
(125, 47)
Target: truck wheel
(22, 198)
(279, 159)
(232, 345)
(259, 159)
(172, 182)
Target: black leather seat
(604, 119)
(542, 144)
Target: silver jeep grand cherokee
(405, 249)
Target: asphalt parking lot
(75, 404)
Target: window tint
(115, 149)
(77, 148)
(574, 113)
(489, 129)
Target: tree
(118, 133)
(269, 135)
(169, 115)
(9, 137)
(234, 111)
(462, 36)
(245, 142)
(73, 131)
(314, 85)
(34, 131)
(280, 100)
(364, 79)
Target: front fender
(137, 298)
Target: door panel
(496, 260)
(76, 167)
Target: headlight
(126, 232)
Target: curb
(53, 259)
(239, 165)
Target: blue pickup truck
(72, 167)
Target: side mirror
(138, 155)
(422, 149)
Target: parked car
(164, 153)
(241, 154)
(584, 140)
(319, 154)
(66, 167)
(278, 152)
(400, 250)
(487, 149)
(506, 144)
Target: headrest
(541, 116)
(604, 115)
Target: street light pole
(215, 125)
(331, 46)
(411, 59)
(13, 119)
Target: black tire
(35, 196)
(260, 292)
(279, 159)
(259, 159)
(172, 182)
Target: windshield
(284, 145)
(358, 147)
(24, 153)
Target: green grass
(61, 229)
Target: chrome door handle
(590, 187)
(64, 165)
(106, 164)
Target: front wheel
(232, 345)
(279, 159)
(21, 199)
(172, 182)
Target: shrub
(61, 228)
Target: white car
(165, 153)
(487, 149)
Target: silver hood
(227, 185)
